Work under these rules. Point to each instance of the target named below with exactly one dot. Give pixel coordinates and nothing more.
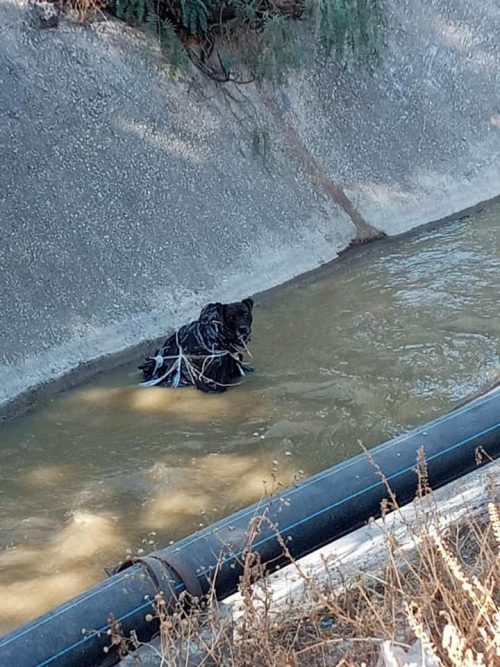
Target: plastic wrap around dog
(207, 353)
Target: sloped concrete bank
(127, 199)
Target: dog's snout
(243, 329)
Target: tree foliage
(248, 40)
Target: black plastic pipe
(309, 515)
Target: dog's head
(235, 318)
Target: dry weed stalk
(85, 10)
(447, 598)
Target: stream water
(394, 334)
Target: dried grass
(445, 598)
(85, 10)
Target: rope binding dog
(206, 353)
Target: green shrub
(246, 40)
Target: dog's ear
(248, 303)
(211, 312)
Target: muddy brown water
(393, 335)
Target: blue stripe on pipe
(96, 632)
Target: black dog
(206, 353)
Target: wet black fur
(213, 346)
